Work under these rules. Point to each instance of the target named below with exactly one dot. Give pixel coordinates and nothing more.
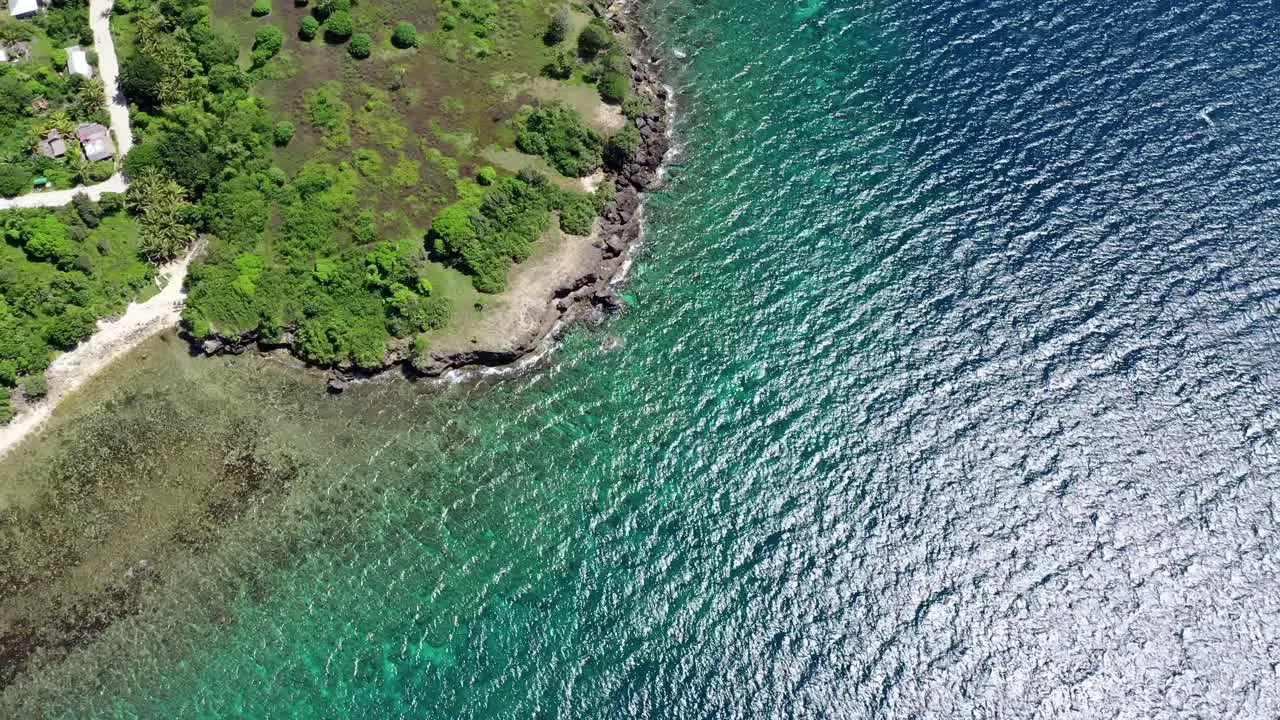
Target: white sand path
(114, 338)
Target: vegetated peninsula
(371, 176)
(376, 182)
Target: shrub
(7, 411)
(488, 228)
(142, 76)
(621, 146)
(111, 203)
(487, 175)
(100, 171)
(593, 38)
(35, 386)
(557, 134)
(261, 8)
(310, 26)
(561, 65)
(613, 86)
(86, 209)
(558, 29)
(266, 43)
(70, 327)
(338, 27)
(361, 46)
(14, 180)
(225, 78)
(405, 35)
(577, 212)
(635, 107)
(283, 133)
(327, 8)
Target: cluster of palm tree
(164, 214)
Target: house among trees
(95, 140)
(24, 8)
(53, 146)
(15, 52)
(78, 62)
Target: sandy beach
(113, 339)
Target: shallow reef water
(947, 389)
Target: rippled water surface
(948, 390)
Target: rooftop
(23, 8)
(78, 62)
(96, 141)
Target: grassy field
(434, 108)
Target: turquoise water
(947, 390)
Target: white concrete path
(117, 108)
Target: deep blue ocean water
(948, 390)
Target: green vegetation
(310, 26)
(37, 98)
(361, 46)
(266, 44)
(338, 27)
(558, 134)
(558, 28)
(284, 132)
(344, 192)
(621, 146)
(594, 38)
(61, 270)
(261, 8)
(405, 35)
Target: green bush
(74, 324)
(325, 9)
(557, 134)
(338, 27)
(86, 210)
(405, 35)
(577, 213)
(635, 107)
(593, 38)
(310, 26)
(111, 203)
(613, 86)
(7, 410)
(267, 41)
(489, 228)
(561, 65)
(142, 78)
(361, 46)
(35, 386)
(283, 133)
(261, 8)
(621, 146)
(14, 180)
(100, 171)
(558, 28)
(487, 175)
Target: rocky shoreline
(587, 296)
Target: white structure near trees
(78, 62)
(24, 8)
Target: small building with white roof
(78, 62)
(24, 8)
